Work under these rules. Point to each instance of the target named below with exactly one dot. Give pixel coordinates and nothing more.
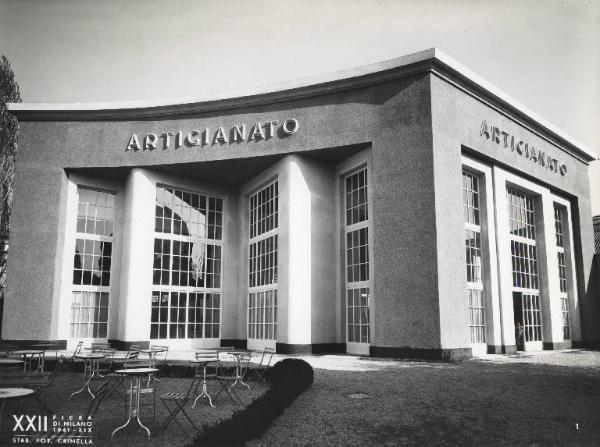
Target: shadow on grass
(113, 413)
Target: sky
(543, 53)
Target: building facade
(407, 208)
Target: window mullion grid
(562, 270)
(203, 241)
(474, 255)
(89, 291)
(263, 209)
(263, 301)
(352, 203)
(204, 301)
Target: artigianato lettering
(210, 137)
(522, 148)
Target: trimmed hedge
(288, 378)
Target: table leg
(137, 405)
(133, 411)
(152, 365)
(238, 375)
(2, 404)
(41, 362)
(128, 413)
(87, 376)
(204, 392)
(95, 368)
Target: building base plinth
(447, 355)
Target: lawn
(499, 402)
(550, 398)
(112, 412)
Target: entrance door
(357, 263)
(262, 319)
(262, 267)
(528, 321)
(358, 321)
(525, 278)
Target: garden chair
(176, 402)
(105, 365)
(160, 355)
(162, 352)
(228, 377)
(38, 382)
(134, 361)
(70, 360)
(97, 347)
(116, 384)
(224, 350)
(260, 370)
(119, 362)
(42, 385)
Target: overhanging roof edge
(287, 90)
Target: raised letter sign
(134, 143)
(220, 136)
(238, 133)
(192, 138)
(150, 141)
(521, 147)
(257, 132)
(270, 128)
(290, 126)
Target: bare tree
(9, 129)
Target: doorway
(527, 321)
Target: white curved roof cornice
(431, 60)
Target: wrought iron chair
(260, 370)
(70, 360)
(39, 383)
(175, 403)
(228, 377)
(164, 350)
(105, 364)
(115, 384)
(97, 347)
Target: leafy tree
(9, 129)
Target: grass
(542, 399)
(112, 412)
(427, 403)
(288, 379)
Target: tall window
(92, 263)
(475, 294)
(559, 213)
(186, 297)
(262, 265)
(526, 288)
(357, 257)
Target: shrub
(288, 378)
